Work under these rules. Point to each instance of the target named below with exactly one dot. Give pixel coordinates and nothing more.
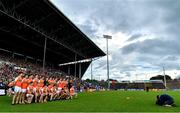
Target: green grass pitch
(108, 101)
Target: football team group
(34, 88)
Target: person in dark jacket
(165, 100)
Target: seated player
(44, 94)
(52, 93)
(59, 89)
(55, 93)
(50, 90)
(165, 100)
(73, 94)
(61, 94)
(29, 94)
(65, 93)
(37, 93)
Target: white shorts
(17, 89)
(34, 90)
(59, 88)
(29, 95)
(10, 90)
(24, 90)
(57, 91)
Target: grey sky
(145, 34)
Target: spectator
(2, 85)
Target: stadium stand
(173, 84)
(37, 30)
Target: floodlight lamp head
(107, 36)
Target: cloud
(153, 47)
(171, 58)
(135, 36)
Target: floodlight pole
(91, 69)
(107, 37)
(164, 77)
(69, 70)
(44, 57)
(79, 70)
(75, 65)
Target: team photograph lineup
(27, 89)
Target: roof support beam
(80, 70)
(69, 69)
(36, 44)
(26, 23)
(69, 37)
(43, 18)
(18, 5)
(44, 56)
(75, 57)
(2, 5)
(56, 30)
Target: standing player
(38, 88)
(17, 89)
(24, 86)
(35, 83)
(30, 79)
(41, 82)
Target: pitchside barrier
(2, 91)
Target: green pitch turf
(108, 101)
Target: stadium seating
(139, 86)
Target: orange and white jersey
(25, 83)
(44, 90)
(35, 82)
(63, 84)
(30, 80)
(59, 84)
(41, 82)
(66, 83)
(18, 81)
(51, 82)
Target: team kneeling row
(28, 89)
